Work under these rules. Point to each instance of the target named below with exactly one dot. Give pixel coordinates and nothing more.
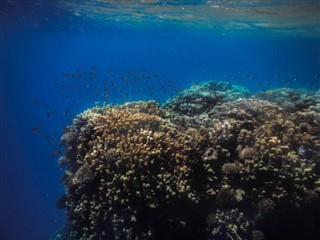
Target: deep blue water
(53, 67)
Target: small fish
(56, 152)
(35, 130)
(67, 112)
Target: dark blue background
(41, 47)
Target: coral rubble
(213, 163)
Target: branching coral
(221, 170)
(135, 160)
(202, 97)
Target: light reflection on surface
(286, 16)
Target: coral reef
(292, 100)
(212, 163)
(200, 98)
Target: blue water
(53, 67)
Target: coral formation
(292, 100)
(200, 98)
(212, 163)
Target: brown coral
(140, 158)
(138, 171)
